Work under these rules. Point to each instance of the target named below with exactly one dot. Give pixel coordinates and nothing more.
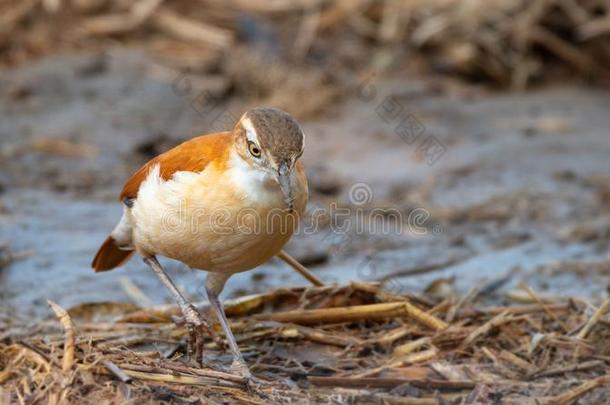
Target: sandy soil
(520, 194)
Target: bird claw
(195, 342)
(197, 328)
(240, 368)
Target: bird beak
(283, 178)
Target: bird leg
(299, 268)
(197, 326)
(214, 284)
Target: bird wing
(193, 155)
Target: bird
(223, 203)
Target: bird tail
(110, 256)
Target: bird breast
(227, 218)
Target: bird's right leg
(214, 284)
(197, 325)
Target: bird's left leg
(214, 284)
(196, 324)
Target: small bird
(224, 203)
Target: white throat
(259, 186)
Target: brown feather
(110, 256)
(193, 155)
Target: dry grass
(314, 345)
(505, 42)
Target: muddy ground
(520, 194)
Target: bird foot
(198, 328)
(240, 368)
(195, 343)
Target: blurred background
(482, 123)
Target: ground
(520, 194)
(520, 174)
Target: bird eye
(254, 150)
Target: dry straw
(505, 42)
(354, 342)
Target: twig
(412, 358)
(319, 336)
(191, 30)
(484, 329)
(202, 376)
(384, 296)
(470, 295)
(404, 400)
(40, 356)
(390, 24)
(595, 27)
(299, 268)
(356, 313)
(66, 323)
(387, 382)
(164, 313)
(392, 336)
(535, 297)
(517, 361)
(127, 340)
(566, 51)
(11, 17)
(573, 394)
(139, 13)
(418, 270)
(307, 33)
(116, 370)
(177, 378)
(410, 347)
(202, 372)
(599, 314)
(518, 310)
(568, 369)
(5, 375)
(418, 357)
(524, 297)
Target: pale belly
(205, 221)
